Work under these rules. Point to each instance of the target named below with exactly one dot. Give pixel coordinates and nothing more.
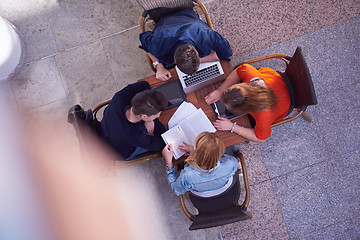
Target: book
(185, 125)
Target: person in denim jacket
(208, 171)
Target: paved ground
(304, 178)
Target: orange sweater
(272, 80)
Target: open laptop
(207, 74)
(173, 92)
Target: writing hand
(167, 153)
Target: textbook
(185, 125)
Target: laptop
(173, 92)
(207, 74)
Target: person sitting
(208, 171)
(130, 122)
(182, 38)
(263, 94)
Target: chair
(223, 208)
(298, 81)
(86, 123)
(155, 9)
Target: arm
(212, 57)
(161, 72)
(215, 96)
(226, 125)
(177, 183)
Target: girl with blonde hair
(208, 171)
(262, 94)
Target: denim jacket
(200, 180)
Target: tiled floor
(304, 178)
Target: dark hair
(245, 98)
(187, 58)
(149, 102)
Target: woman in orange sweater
(262, 94)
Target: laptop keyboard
(209, 72)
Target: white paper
(187, 130)
(175, 136)
(196, 123)
(184, 110)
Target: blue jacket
(183, 27)
(123, 135)
(200, 180)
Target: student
(262, 94)
(130, 123)
(208, 171)
(182, 38)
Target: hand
(223, 124)
(162, 73)
(186, 147)
(167, 153)
(150, 126)
(214, 96)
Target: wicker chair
(223, 208)
(86, 123)
(298, 81)
(155, 9)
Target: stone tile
(355, 225)
(341, 178)
(86, 75)
(6, 92)
(20, 10)
(255, 165)
(336, 113)
(339, 231)
(35, 31)
(267, 221)
(303, 201)
(249, 27)
(73, 24)
(176, 224)
(52, 120)
(37, 84)
(112, 16)
(127, 61)
(293, 146)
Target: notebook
(207, 74)
(173, 92)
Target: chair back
(298, 73)
(159, 8)
(223, 201)
(83, 120)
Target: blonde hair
(208, 149)
(247, 97)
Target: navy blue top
(123, 135)
(183, 27)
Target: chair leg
(306, 116)
(248, 214)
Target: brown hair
(245, 97)
(187, 58)
(149, 102)
(208, 149)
